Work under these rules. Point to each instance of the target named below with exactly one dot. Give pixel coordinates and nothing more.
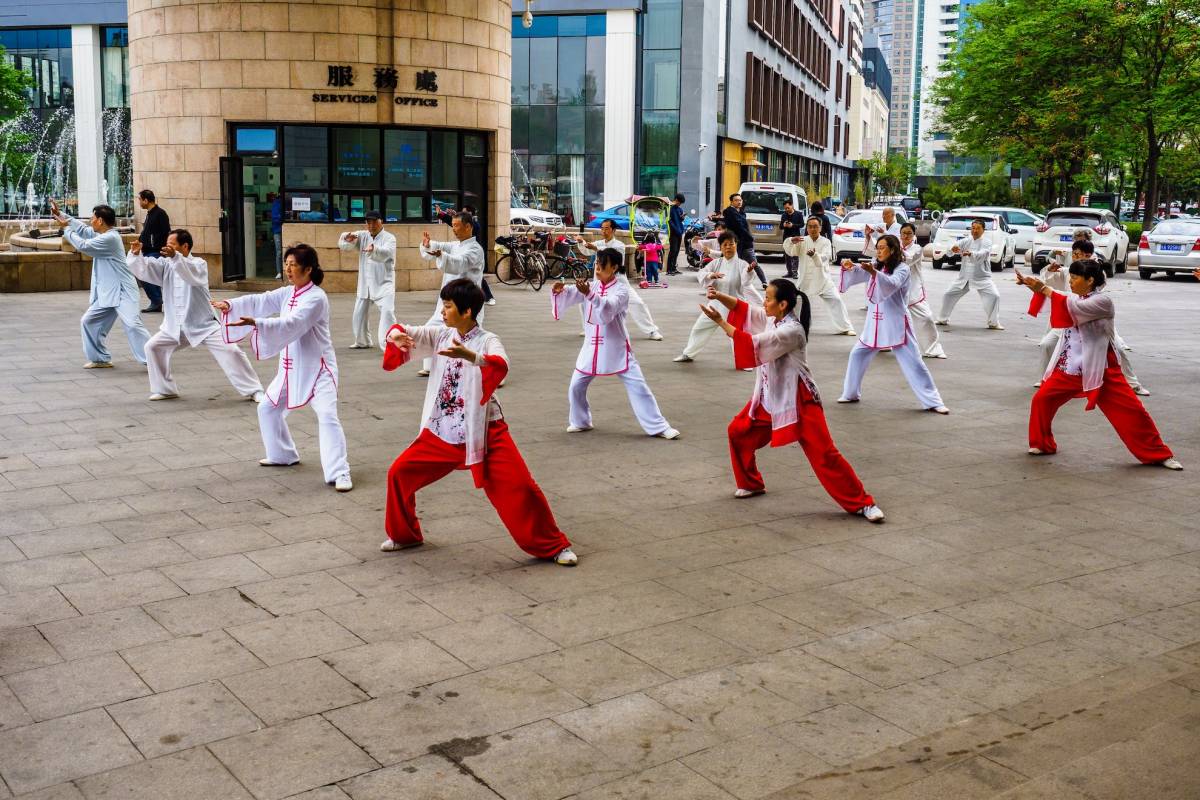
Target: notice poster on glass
(301, 204)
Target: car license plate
(764, 227)
(1066, 238)
(858, 234)
(1170, 248)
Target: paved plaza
(177, 622)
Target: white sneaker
(491, 302)
(266, 462)
(577, 429)
(681, 359)
(161, 396)
(357, 346)
(422, 373)
(390, 546)
(942, 322)
(872, 513)
(996, 327)
(939, 355)
(940, 410)
(258, 396)
(1033, 451)
(847, 333)
(343, 484)
(566, 557)
(278, 276)
(1142, 391)
(98, 365)
(669, 433)
(741, 494)
(1171, 463)
(582, 334)
(655, 337)
(847, 399)
(1037, 385)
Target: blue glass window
(255, 140)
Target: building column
(89, 116)
(620, 116)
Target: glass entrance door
(233, 260)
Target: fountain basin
(46, 265)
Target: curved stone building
(315, 113)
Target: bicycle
(521, 263)
(565, 263)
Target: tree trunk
(1154, 150)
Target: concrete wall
(698, 103)
(195, 65)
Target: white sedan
(1022, 222)
(1058, 231)
(848, 235)
(955, 225)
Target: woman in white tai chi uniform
(461, 258)
(606, 350)
(187, 318)
(815, 255)
(307, 366)
(887, 325)
(639, 312)
(918, 305)
(730, 275)
(376, 279)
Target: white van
(763, 204)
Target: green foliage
(1134, 230)
(893, 173)
(13, 84)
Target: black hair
(789, 202)
(465, 218)
(183, 237)
(727, 236)
(797, 301)
(735, 194)
(1089, 269)
(469, 209)
(307, 258)
(982, 222)
(812, 218)
(894, 249)
(816, 208)
(106, 215)
(1084, 246)
(465, 295)
(651, 237)
(609, 221)
(910, 226)
(609, 257)
(679, 196)
(146, 195)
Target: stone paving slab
(196, 626)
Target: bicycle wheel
(535, 271)
(510, 270)
(578, 271)
(556, 267)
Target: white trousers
(987, 295)
(637, 311)
(277, 439)
(920, 380)
(837, 308)
(645, 407)
(229, 358)
(97, 321)
(362, 315)
(702, 331)
(927, 332)
(1049, 343)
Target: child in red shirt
(653, 250)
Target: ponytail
(797, 301)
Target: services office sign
(341, 76)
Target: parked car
(533, 218)
(848, 237)
(1057, 231)
(763, 204)
(954, 225)
(1022, 222)
(916, 214)
(1173, 246)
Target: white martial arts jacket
(377, 268)
(463, 259)
(814, 269)
(976, 257)
(606, 349)
(913, 255)
(1093, 318)
(187, 314)
(740, 281)
(873, 233)
(777, 349)
(887, 324)
(616, 244)
(112, 282)
(300, 335)
(476, 387)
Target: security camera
(702, 147)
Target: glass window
(593, 79)
(305, 157)
(543, 128)
(594, 144)
(572, 26)
(660, 137)
(572, 66)
(405, 159)
(543, 71)
(660, 79)
(356, 158)
(354, 206)
(596, 25)
(444, 160)
(405, 208)
(318, 207)
(571, 130)
(255, 140)
(658, 180)
(520, 129)
(474, 146)
(662, 24)
(520, 72)
(445, 202)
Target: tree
(13, 86)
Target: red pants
(506, 481)
(746, 435)
(1117, 402)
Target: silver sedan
(1171, 246)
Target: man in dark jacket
(155, 230)
(736, 222)
(791, 224)
(818, 211)
(675, 226)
